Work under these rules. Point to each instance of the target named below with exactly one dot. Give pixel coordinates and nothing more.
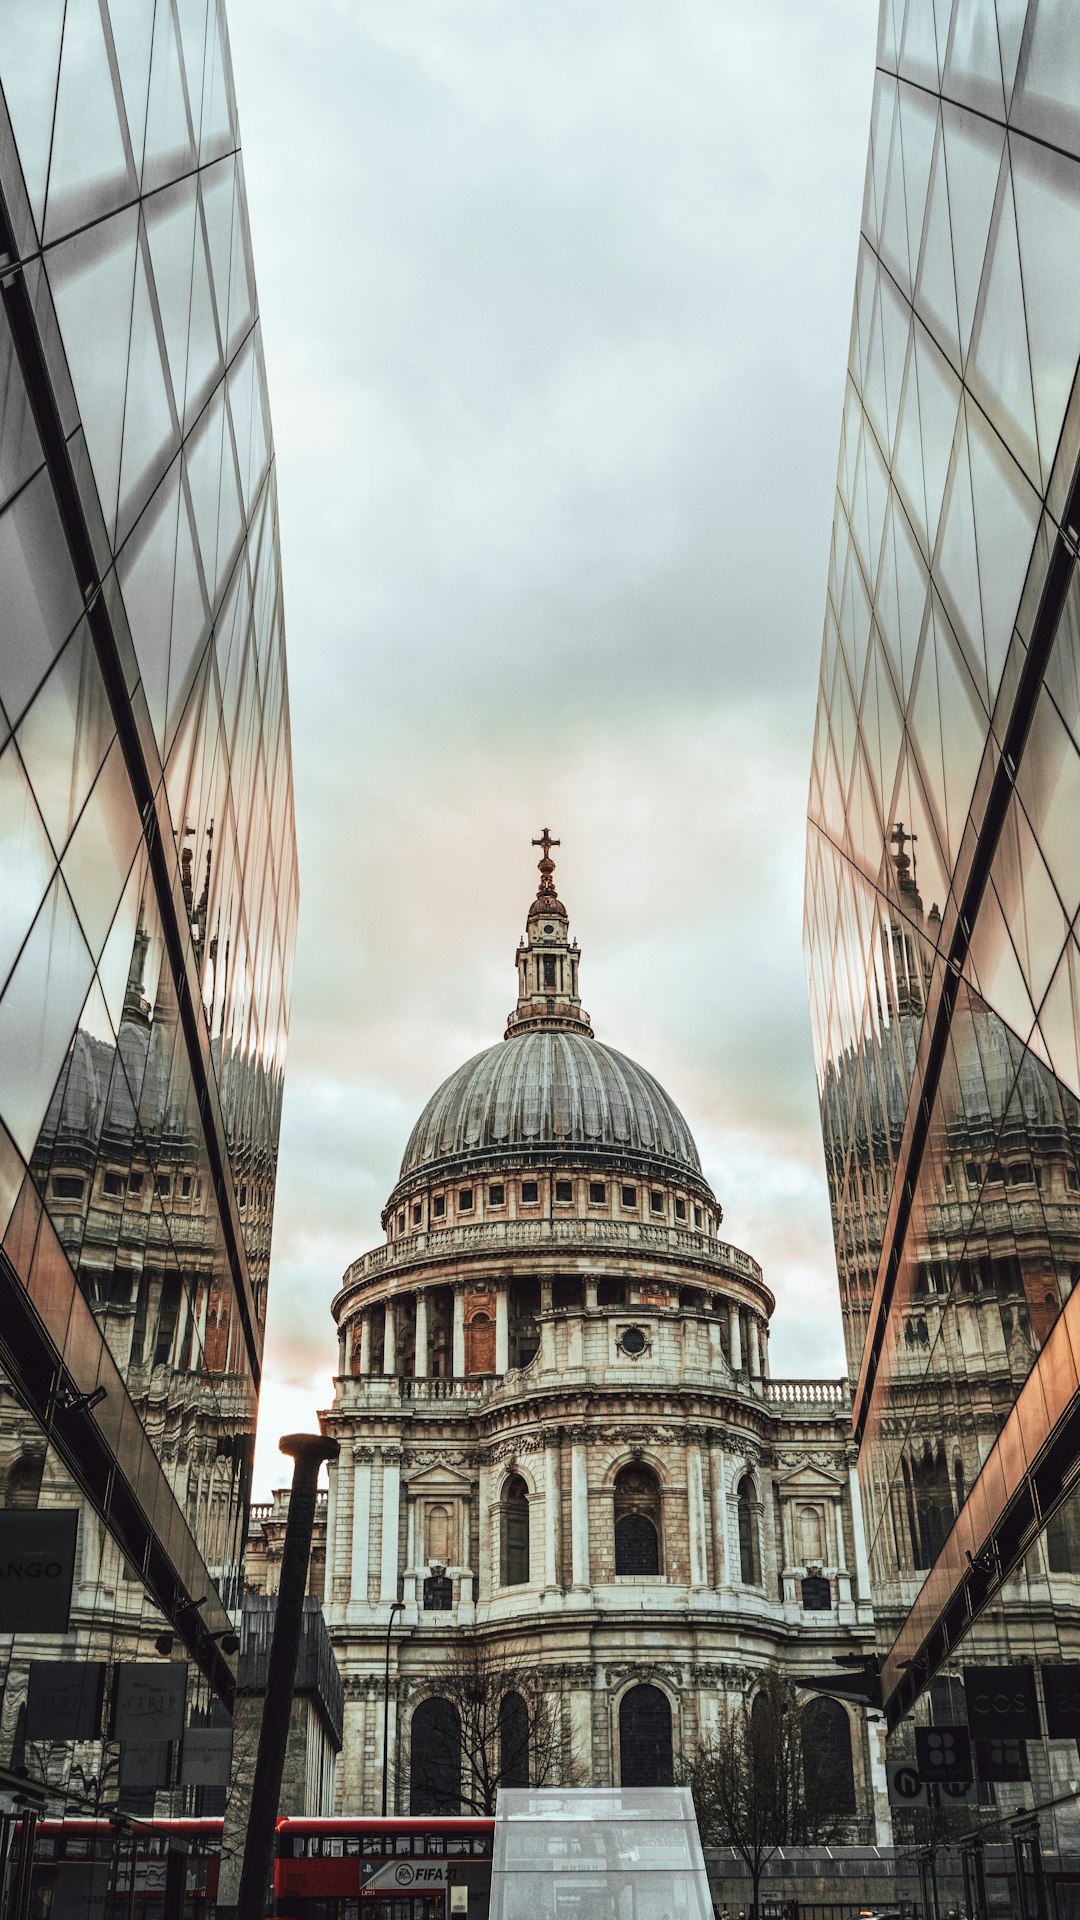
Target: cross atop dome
(547, 959)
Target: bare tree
(488, 1722)
(755, 1786)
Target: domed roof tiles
(550, 1089)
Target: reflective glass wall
(148, 887)
(943, 873)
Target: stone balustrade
(497, 1236)
(807, 1393)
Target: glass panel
(89, 172)
(93, 278)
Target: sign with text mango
(37, 1568)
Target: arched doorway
(435, 1758)
(645, 1755)
(826, 1745)
(513, 1741)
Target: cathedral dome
(559, 1090)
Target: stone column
(843, 1577)
(342, 1355)
(547, 1330)
(389, 1355)
(457, 1363)
(695, 1507)
(591, 1301)
(331, 1532)
(716, 1512)
(734, 1337)
(502, 1329)
(365, 1343)
(862, 1560)
(391, 1504)
(579, 1514)
(361, 1527)
(765, 1348)
(551, 1511)
(755, 1347)
(421, 1361)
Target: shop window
(749, 1548)
(637, 1521)
(597, 1193)
(530, 1193)
(564, 1192)
(515, 1533)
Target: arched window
(930, 1502)
(637, 1521)
(438, 1536)
(435, 1758)
(479, 1344)
(513, 1741)
(515, 1533)
(24, 1480)
(749, 1551)
(810, 1541)
(645, 1757)
(827, 1762)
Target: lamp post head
(309, 1446)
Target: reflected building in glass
(943, 876)
(147, 851)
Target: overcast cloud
(556, 299)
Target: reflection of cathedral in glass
(943, 874)
(147, 854)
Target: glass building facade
(148, 887)
(943, 874)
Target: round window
(633, 1341)
(548, 928)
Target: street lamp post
(398, 1607)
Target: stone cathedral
(561, 1440)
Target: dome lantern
(547, 960)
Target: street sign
(1061, 1692)
(906, 1788)
(37, 1568)
(63, 1700)
(944, 1753)
(1002, 1703)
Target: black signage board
(206, 1757)
(64, 1699)
(1001, 1760)
(1002, 1703)
(438, 1593)
(1061, 1693)
(37, 1568)
(145, 1763)
(944, 1753)
(148, 1701)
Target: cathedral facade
(562, 1446)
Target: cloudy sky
(556, 298)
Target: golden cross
(546, 841)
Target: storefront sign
(1061, 1692)
(1001, 1760)
(1001, 1703)
(944, 1753)
(37, 1568)
(906, 1787)
(459, 1899)
(64, 1699)
(145, 1763)
(148, 1704)
(206, 1757)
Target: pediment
(809, 1480)
(437, 1478)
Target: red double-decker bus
(382, 1869)
(82, 1864)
